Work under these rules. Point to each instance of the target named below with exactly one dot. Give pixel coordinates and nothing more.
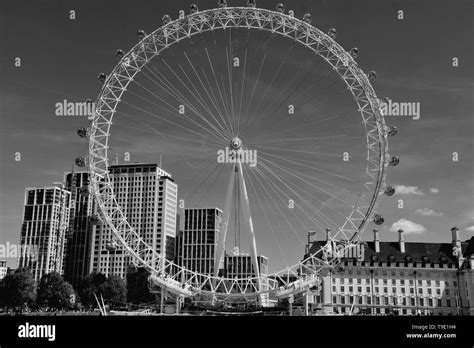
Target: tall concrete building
(78, 250)
(197, 241)
(3, 269)
(240, 266)
(45, 222)
(148, 197)
(405, 278)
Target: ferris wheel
(257, 108)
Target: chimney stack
(311, 240)
(457, 249)
(401, 241)
(376, 241)
(455, 235)
(328, 234)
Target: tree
(20, 289)
(138, 290)
(114, 290)
(54, 292)
(90, 285)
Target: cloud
(434, 190)
(470, 228)
(428, 212)
(407, 190)
(409, 227)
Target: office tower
(78, 250)
(43, 232)
(197, 242)
(148, 197)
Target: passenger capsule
(222, 3)
(307, 18)
(280, 8)
(80, 162)
(394, 160)
(102, 77)
(119, 54)
(332, 33)
(251, 3)
(109, 246)
(82, 132)
(141, 34)
(392, 131)
(94, 220)
(385, 100)
(372, 76)
(193, 9)
(84, 191)
(166, 19)
(378, 219)
(354, 52)
(389, 191)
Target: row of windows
(398, 274)
(387, 301)
(385, 281)
(411, 290)
(405, 311)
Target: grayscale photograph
(236, 163)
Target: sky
(413, 58)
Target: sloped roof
(416, 250)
